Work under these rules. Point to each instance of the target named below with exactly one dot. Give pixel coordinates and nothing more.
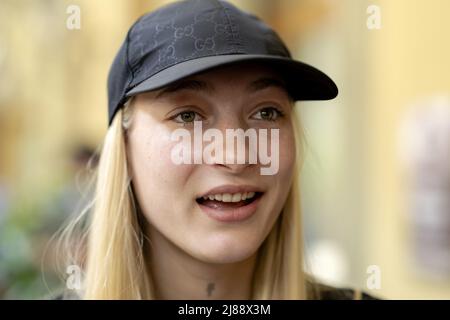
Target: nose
(233, 168)
(236, 146)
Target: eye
(268, 114)
(187, 117)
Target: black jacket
(319, 291)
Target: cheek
(156, 179)
(281, 183)
(287, 153)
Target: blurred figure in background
(28, 260)
(425, 142)
(75, 193)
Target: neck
(177, 275)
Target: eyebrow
(197, 85)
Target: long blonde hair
(116, 267)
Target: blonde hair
(116, 265)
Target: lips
(230, 203)
(228, 200)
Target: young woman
(165, 226)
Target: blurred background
(376, 182)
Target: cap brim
(304, 81)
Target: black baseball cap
(188, 37)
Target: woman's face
(234, 219)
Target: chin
(226, 251)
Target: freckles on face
(156, 179)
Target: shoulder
(64, 295)
(320, 291)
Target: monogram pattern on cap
(165, 38)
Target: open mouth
(228, 201)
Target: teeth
(228, 197)
(236, 197)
